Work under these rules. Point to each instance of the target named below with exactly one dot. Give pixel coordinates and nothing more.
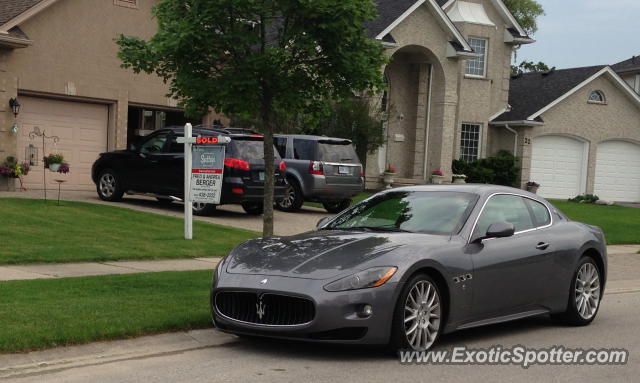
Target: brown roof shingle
(12, 8)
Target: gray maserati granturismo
(409, 264)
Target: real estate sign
(207, 167)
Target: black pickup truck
(155, 166)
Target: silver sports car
(409, 264)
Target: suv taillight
(316, 167)
(282, 167)
(236, 163)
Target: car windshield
(337, 151)
(440, 213)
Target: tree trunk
(269, 170)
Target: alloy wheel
(107, 185)
(288, 199)
(422, 313)
(587, 291)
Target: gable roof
(632, 64)
(532, 94)
(392, 12)
(12, 8)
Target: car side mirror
(322, 222)
(500, 230)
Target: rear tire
(418, 319)
(585, 294)
(253, 208)
(293, 200)
(336, 207)
(203, 209)
(109, 186)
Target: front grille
(267, 309)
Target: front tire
(336, 207)
(292, 200)
(203, 209)
(109, 186)
(585, 294)
(417, 321)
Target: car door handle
(542, 246)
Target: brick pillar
(524, 152)
(122, 119)
(421, 119)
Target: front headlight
(373, 277)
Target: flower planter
(7, 184)
(54, 167)
(388, 178)
(532, 189)
(437, 180)
(459, 181)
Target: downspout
(426, 135)
(515, 141)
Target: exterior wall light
(15, 106)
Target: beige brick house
(451, 96)
(58, 59)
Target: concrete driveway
(229, 215)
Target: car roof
(312, 138)
(209, 130)
(480, 189)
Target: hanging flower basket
(56, 163)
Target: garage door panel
(557, 164)
(82, 129)
(618, 171)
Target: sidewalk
(68, 270)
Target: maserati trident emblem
(260, 308)
(264, 281)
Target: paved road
(229, 215)
(208, 356)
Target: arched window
(596, 96)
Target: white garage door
(558, 165)
(82, 129)
(618, 171)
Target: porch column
(8, 141)
(424, 70)
(524, 152)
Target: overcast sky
(576, 33)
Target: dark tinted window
(540, 213)
(281, 146)
(303, 149)
(155, 143)
(424, 212)
(505, 208)
(248, 150)
(173, 146)
(337, 152)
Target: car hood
(320, 254)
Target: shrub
(584, 198)
(502, 169)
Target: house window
(597, 96)
(477, 66)
(470, 142)
(126, 3)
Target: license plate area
(344, 170)
(261, 176)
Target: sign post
(203, 171)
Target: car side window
(173, 146)
(505, 208)
(303, 149)
(540, 213)
(155, 144)
(281, 146)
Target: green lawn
(356, 199)
(33, 231)
(621, 224)
(53, 312)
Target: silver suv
(319, 169)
